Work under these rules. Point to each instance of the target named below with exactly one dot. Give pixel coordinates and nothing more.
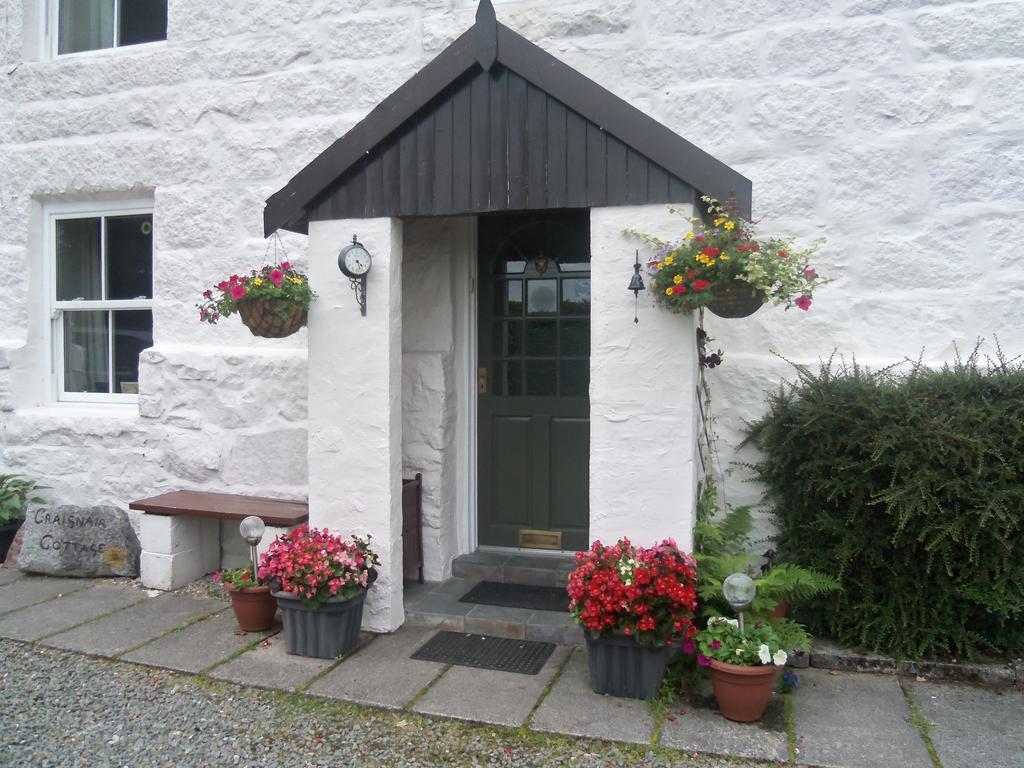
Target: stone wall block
(835, 48)
(588, 17)
(992, 30)
(927, 98)
(693, 18)
(267, 458)
(365, 37)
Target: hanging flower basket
(734, 299)
(272, 318)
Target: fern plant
(721, 548)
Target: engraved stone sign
(79, 541)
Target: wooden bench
(187, 534)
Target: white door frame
(464, 276)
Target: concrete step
(547, 570)
(436, 605)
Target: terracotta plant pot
(742, 692)
(779, 611)
(735, 299)
(272, 318)
(255, 607)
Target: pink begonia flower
(703, 660)
(689, 647)
(285, 266)
(810, 273)
(803, 301)
(276, 277)
(237, 291)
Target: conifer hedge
(909, 488)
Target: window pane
(575, 378)
(130, 257)
(574, 266)
(541, 337)
(133, 332)
(511, 378)
(85, 352)
(78, 259)
(575, 338)
(85, 25)
(508, 338)
(541, 298)
(509, 298)
(540, 378)
(576, 296)
(143, 21)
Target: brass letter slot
(540, 539)
(481, 380)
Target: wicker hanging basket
(736, 298)
(272, 318)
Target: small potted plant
(719, 263)
(743, 665)
(272, 301)
(252, 602)
(15, 496)
(321, 581)
(636, 608)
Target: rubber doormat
(518, 596)
(526, 657)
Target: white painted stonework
(890, 127)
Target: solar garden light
(739, 590)
(252, 529)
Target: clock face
(356, 261)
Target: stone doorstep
(542, 570)
(827, 655)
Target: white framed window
(88, 25)
(99, 282)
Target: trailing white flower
(779, 658)
(764, 654)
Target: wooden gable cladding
(493, 141)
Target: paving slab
(973, 726)
(270, 665)
(67, 610)
(489, 696)
(7, 575)
(198, 645)
(133, 626)
(700, 729)
(382, 674)
(29, 590)
(571, 707)
(855, 720)
(554, 627)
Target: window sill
(64, 409)
(113, 50)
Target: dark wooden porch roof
(495, 123)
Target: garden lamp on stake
(739, 590)
(252, 529)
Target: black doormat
(518, 596)
(485, 652)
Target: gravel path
(63, 709)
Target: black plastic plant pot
(324, 632)
(620, 666)
(7, 534)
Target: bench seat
(187, 534)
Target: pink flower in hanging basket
(276, 276)
(237, 291)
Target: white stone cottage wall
(893, 127)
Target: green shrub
(909, 488)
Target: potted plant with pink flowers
(272, 301)
(320, 581)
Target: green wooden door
(534, 377)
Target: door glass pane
(142, 21)
(85, 352)
(576, 296)
(133, 332)
(575, 380)
(508, 338)
(541, 338)
(78, 259)
(512, 266)
(85, 25)
(542, 298)
(509, 298)
(511, 383)
(576, 338)
(130, 257)
(574, 266)
(541, 378)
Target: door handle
(481, 380)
